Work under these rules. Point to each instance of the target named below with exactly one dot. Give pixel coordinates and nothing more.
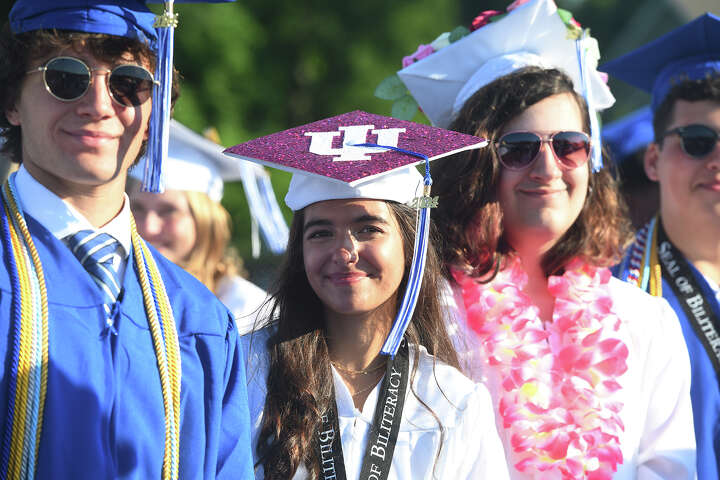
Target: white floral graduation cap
(442, 76)
(195, 163)
(361, 155)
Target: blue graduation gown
(104, 409)
(705, 385)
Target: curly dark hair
(19, 51)
(705, 88)
(299, 382)
(469, 217)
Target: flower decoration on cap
(406, 98)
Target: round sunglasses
(518, 150)
(69, 78)
(696, 140)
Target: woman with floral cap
(589, 377)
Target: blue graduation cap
(687, 53)
(626, 136)
(124, 18)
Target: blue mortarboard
(687, 53)
(626, 136)
(124, 18)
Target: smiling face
(87, 143)
(541, 202)
(165, 221)
(353, 255)
(689, 187)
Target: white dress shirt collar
(60, 218)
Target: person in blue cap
(626, 140)
(677, 254)
(114, 362)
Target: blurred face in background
(165, 221)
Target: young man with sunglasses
(677, 254)
(115, 363)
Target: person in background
(189, 226)
(588, 375)
(349, 377)
(115, 363)
(676, 255)
(626, 140)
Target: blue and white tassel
(417, 268)
(159, 137)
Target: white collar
(60, 218)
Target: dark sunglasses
(69, 78)
(518, 150)
(696, 140)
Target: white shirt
(243, 299)
(61, 219)
(658, 441)
(471, 448)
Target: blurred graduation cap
(197, 164)
(124, 18)
(361, 155)
(689, 52)
(628, 135)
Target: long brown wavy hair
(469, 217)
(299, 383)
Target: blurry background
(256, 66)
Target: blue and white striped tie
(100, 255)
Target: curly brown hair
(18, 52)
(299, 383)
(469, 216)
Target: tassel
(417, 267)
(596, 141)
(159, 135)
(264, 209)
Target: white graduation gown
(243, 298)
(658, 441)
(471, 448)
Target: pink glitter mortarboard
(327, 164)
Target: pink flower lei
(555, 382)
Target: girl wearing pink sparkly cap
(354, 375)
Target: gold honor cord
(167, 349)
(29, 369)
